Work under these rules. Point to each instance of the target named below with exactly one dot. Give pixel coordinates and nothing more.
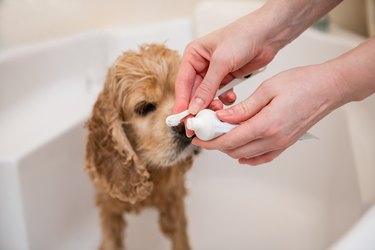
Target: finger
(261, 159)
(209, 85)
(216, 105)
(247, 108)
(228, 98)
(189, 133)
(184, 83)
(239, 136)
(193, 61)
(198, 80)
(253, 149)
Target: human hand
(214, 60)
(243, 46)
(279, 112)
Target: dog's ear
(111, 161)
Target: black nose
(179, 129)
(180, 136)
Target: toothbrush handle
(229, 86)
(235, 82)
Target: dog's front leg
(112, 225)
(173, 221)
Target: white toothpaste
(207, 126)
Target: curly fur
(134, 159)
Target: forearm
(355, 72)
(284, 20)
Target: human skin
(243, 46)
(283, 107)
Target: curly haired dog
(133, 158)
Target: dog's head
(128, 134)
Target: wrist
(354, 72)
(335, 82)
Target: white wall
(25, 21)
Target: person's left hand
(279, 112)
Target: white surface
(361, 236)
(31, 21)
(47, 93)
(221, 13)
(306, 199)
(54, 85)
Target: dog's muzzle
(180, 136)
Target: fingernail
(196, 105)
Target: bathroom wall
(351, 15)
(27, 21)
(370, 13)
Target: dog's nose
(179, 129)
(180, 136)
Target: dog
(133, 158)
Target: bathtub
(308, 198)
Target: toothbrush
(174, 120)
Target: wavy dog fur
(133, 158)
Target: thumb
(245, 109)
(205, 92)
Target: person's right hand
(215, 59)
(243, 46)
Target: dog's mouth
(178, 148)
(179, 136)
(183, 147)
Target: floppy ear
(110, 159)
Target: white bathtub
(305, 199)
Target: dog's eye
(145, 108)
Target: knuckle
(273, 130)
(242, 108)
(267, 86)
(191, 45)
(282, 142)
(277, 135)
(267, 131)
